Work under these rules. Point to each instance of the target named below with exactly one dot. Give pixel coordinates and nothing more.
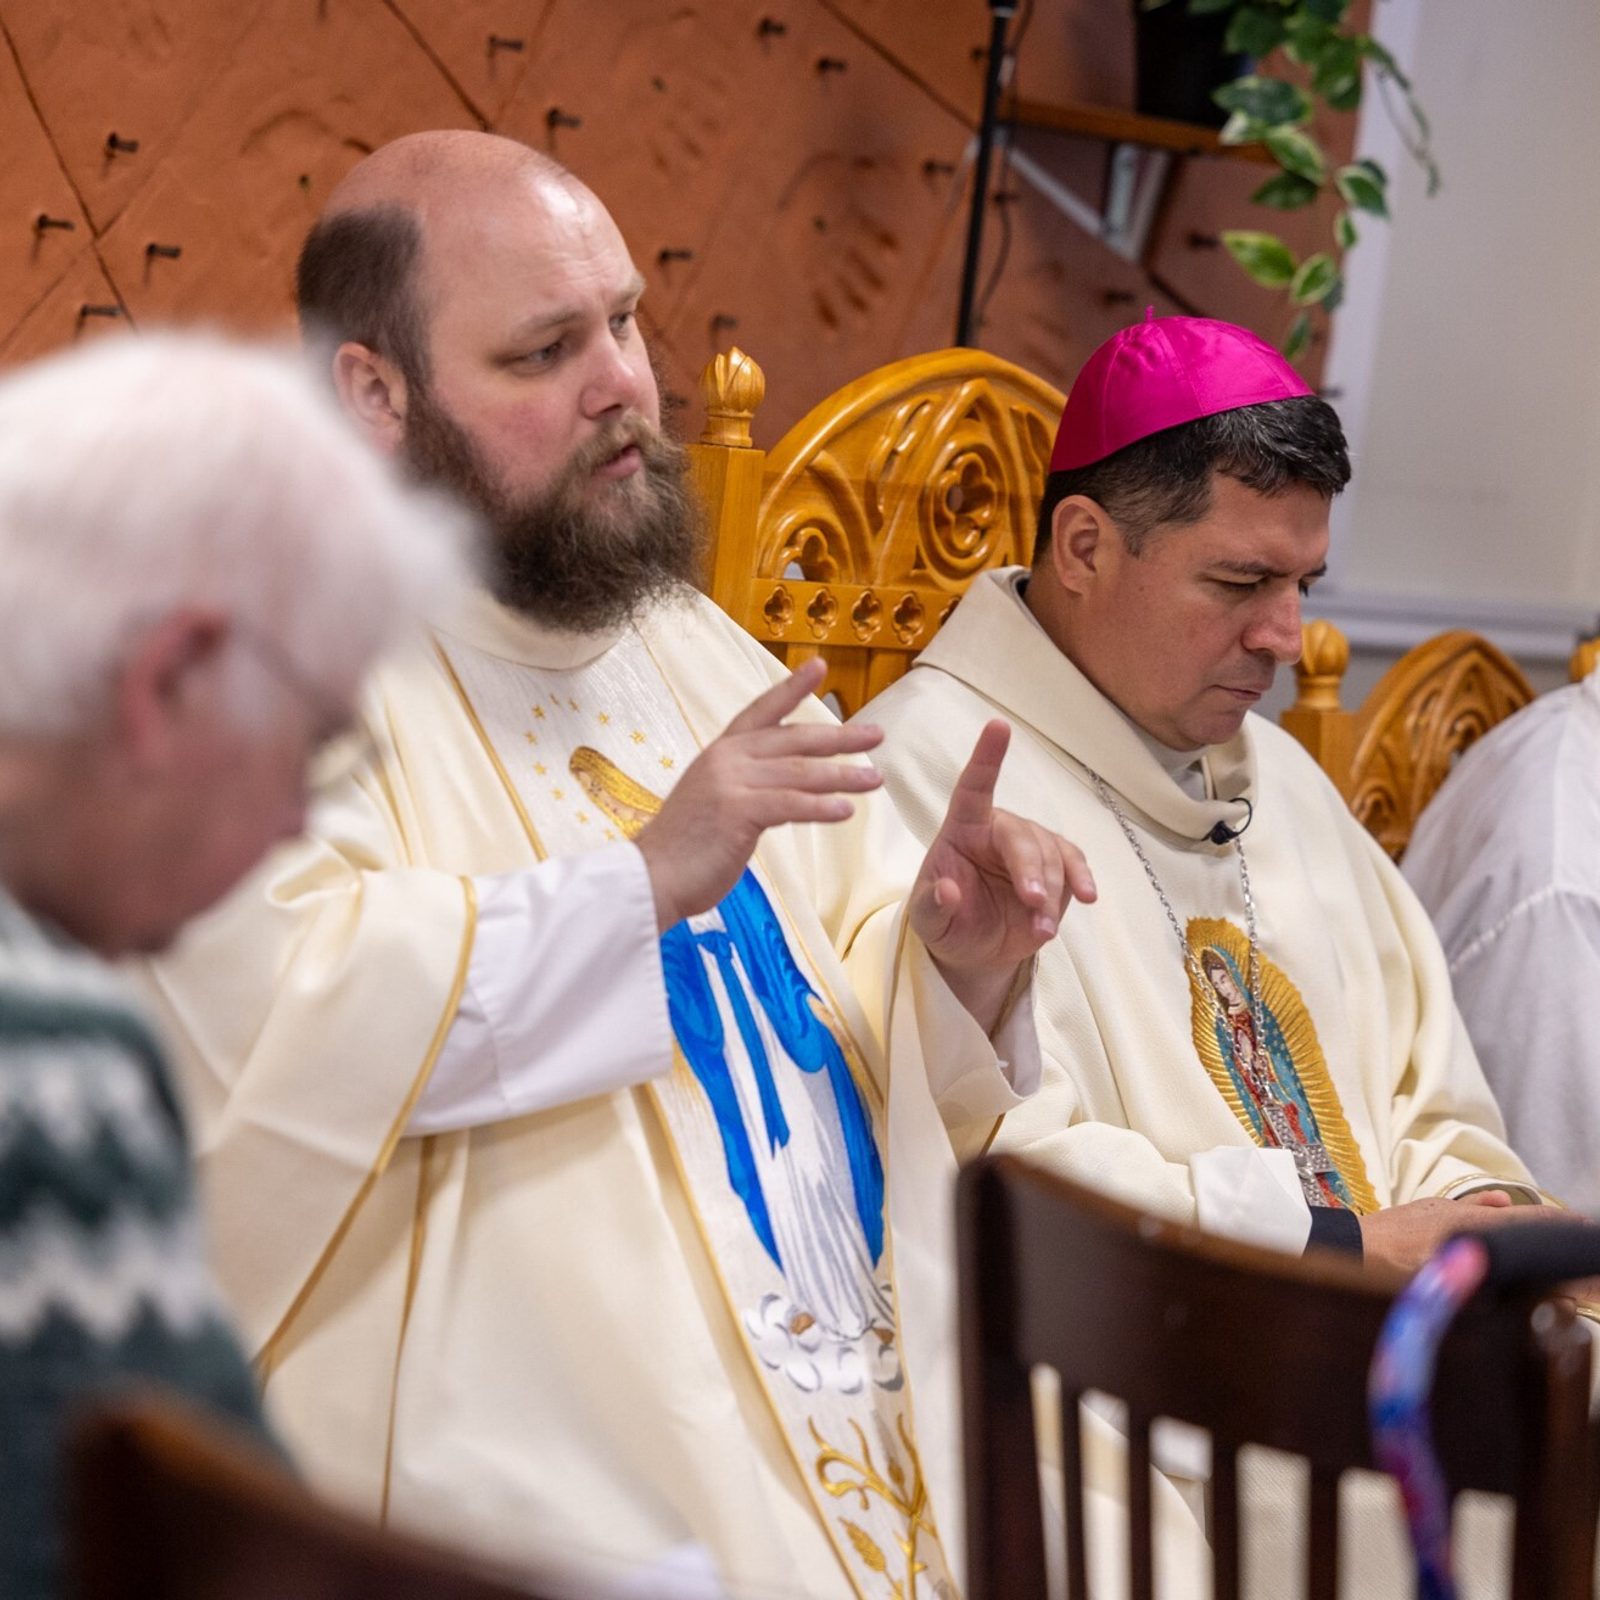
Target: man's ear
(1082, 540)
(372, 390)
(156, 680)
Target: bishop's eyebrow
(1265, 569)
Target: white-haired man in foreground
(197, 564)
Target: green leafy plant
(1275, 112)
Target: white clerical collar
(480, 620)
(995, 644)
(1186, 768)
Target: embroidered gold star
(539, 767)
(610, 835)
(573, 704)
(583, 817)
(605, 720)
(538, 712)
(638, 736)
(667, 761)
(557, 794)
(532, 738)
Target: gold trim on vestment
(907, 1498)
(1280, 996)
(272, 1348)
(651, 1093)
(1520, 1192)
(894, 1283)
(419, 1234)
(539, 850)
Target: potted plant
(1180, 60)
(1275, 111)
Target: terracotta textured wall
(791, 174)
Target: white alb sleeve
(564, 996)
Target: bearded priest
(572, 1100)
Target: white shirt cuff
(564, 996)
(974, 1076)
(1251, 1194)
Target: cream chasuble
(1147, 1083)
(715, 1310)
(1143, 1070)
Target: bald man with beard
(574, 1100)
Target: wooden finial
(733, 387)
(1584, 659)
(1324, 655)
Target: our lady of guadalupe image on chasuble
(776, 1126)
(1276, 1082)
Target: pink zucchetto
(1161, 373)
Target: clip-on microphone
(1221, 833)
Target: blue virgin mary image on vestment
(796, 1132)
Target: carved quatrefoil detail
(821, 612)
(779, 610)
(906, 619)
(866, 616)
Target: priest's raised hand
(758, 773)
(993, 886)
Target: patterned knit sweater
(103, 1283)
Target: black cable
(1003, 183)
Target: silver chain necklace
(1311, 1158)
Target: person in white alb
(582, 1178)
(1506, 858)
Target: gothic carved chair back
(1257, 1348)
(854, 536)
(1389, 757)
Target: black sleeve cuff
(1334, 1228)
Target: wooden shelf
(1128, 127)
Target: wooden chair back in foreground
(165, 1505)
(854, 537)
(1256, 1347)
(1389, 758)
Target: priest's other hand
(993, 886)
(1405, 1236)
(758, 773)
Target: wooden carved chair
(1255, 1347)
(1389, 757)
(165, 1505)
(854, 536)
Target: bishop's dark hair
(1166, 478)
(357, 280)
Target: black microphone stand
(1003, 11)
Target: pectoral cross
(1311, 1158)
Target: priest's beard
(580, 554)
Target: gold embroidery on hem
(908, 1500)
